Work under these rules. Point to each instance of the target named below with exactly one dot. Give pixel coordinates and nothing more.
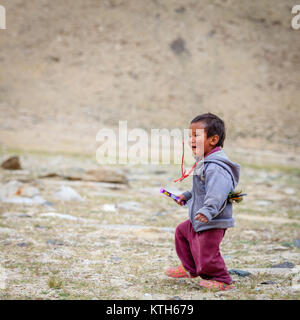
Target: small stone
(130, 205)
(48, 203)
(54, 242)
(285, 264)
(281, 248)
(160, 172)
(61, 215)
(24, 215)
(176, 298)
(12, 163)
(240, 273)
(180, 9)
(289, 191)
(178, 46)
(117, 259)
(22, 244)
(147, 296)
(66, 193)
(28, 191)
(268, 282)
(109, 207)
(263, 203)
(40, 227)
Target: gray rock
(22, 244)
(66, 193)
(176, 298)
(24, 215)
(109, 207)
(48, 203)
(106, 175)
(263, 203)
(178, 46)
(160, 172)
(289, 191)
(240, 273)
(54, 242)
(147, 296)
(62, 216)
(130, 205)
(24, 200)
(180, 9)
(40, 227)
(16, 192)
(297, 243)
(10, 189)
(117, 259)
(285, 264)
(28, 191)
(268, 282)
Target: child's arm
(181, 200)
(184, 197)
(218, 184)
(187, 195)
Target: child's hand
(201, 217)
(181, 201)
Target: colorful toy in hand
(169, 194)
(235, 196)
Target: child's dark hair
(214, 125)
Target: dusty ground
(86, 250)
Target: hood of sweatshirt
(220, 158)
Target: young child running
(197, 240)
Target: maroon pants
(199, 252)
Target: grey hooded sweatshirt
(213, 178)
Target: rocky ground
(105, 240)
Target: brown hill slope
(70, 68)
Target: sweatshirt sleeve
(218, 184)
(187, 195)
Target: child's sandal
(178, 272)
(216, 285)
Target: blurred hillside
(70, 68)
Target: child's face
(198, 141)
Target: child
(197, 239)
